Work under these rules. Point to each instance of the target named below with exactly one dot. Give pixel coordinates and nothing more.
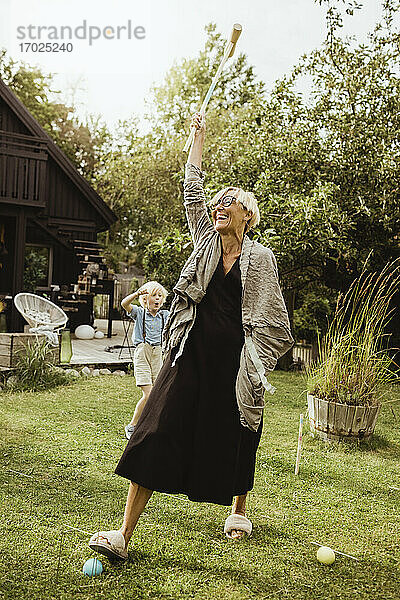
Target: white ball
(326, 555)
(84, 332)
(99, 335)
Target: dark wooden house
(46, 206)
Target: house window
(38, 267)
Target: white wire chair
(40, 312)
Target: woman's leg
(239, 508)
(146, 389)
(136, 501)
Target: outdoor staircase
(89, 252)
(79, 298)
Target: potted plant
(346, 385)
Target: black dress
(189, 438)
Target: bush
(165, 257)
(34, 371)
(35, 270)
(315, 305)
(134, 285)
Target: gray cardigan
(264, 315)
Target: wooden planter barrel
(12, 343)
(333, 421)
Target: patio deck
(92, 352)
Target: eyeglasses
(225, 202)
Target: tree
(165, 256)
(142, 175)
(324, 170)
(187, 82)
(81, 141)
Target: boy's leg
(146, 389)
(156, 362)
(136, 501)
(142, 368)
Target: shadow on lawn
(379, 442)
(245, 578)
(283, 575)
(385, 447)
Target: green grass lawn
(68, 442)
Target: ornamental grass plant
(356, 360)
(34, 370)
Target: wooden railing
(23, 162)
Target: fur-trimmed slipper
(129, 429)
(110, 543)
(238, 522)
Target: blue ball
(92, 567)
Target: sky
(112, 77)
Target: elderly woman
(199, 431)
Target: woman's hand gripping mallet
(228, 53)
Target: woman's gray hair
(246, 199)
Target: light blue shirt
(153, 325)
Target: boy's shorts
(147, 361)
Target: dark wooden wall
(43, 201)
(64, 202)
(9, 121)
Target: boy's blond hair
(152, 287)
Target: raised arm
(196, 211)
(126, 303)
(196, 150)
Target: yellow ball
(326, 555)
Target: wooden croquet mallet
(299, 444)
(228, 53)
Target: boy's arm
(126, 303)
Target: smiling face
(230, 219)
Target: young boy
(149, 319)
